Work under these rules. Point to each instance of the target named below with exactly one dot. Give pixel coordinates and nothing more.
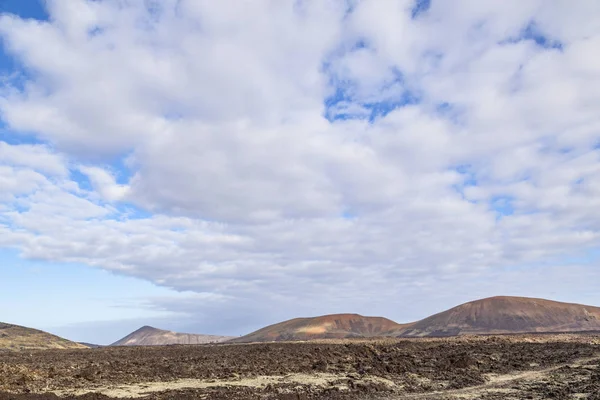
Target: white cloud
(105, 183)
(237, 186)
(34, 157)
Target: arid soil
(490, 368)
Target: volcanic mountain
(149, 336)
(323, 327)
(18, 338)
(505, 314)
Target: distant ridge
(505, 314)
(91, 345)
(20, 338)
(323, 327)
(493, 315)
(149, 336)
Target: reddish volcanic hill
(323, 327)
(494, 315)
(149, 336)
(507, 315)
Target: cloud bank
(278, 158)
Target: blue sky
(26, 9)
(211, 168)
(50, 295)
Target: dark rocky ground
(491, 368)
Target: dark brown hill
(19, 338)
(323, 327)
(149, 336)
(505, 314)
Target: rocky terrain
(490, 368)
(19, 338)
(327, 326)
(149, 336)
(456, 354)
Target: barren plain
(557, 366)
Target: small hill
(91, 345)
(149, 336)
(19, 338)
(323, 327)
(504, 314)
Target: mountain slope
(504, 314)
(326, 326)
(18, 338)
(149, 336)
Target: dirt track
(492, 368)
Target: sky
(214, 167)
